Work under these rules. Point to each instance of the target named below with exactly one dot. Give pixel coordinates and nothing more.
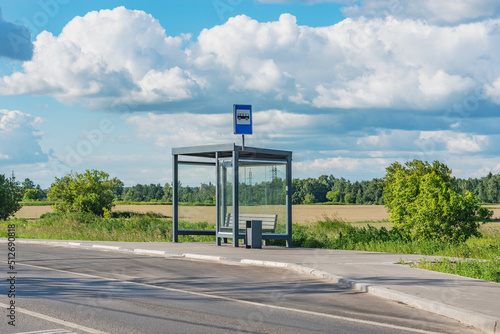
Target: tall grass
(335, 233)
(121, 226)
(86, 226)
(482, 254)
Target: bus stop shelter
(253, 184)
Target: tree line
(324, 189)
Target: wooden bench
(268, 221)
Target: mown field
(358, 215)
(302, 214)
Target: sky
(349, 86)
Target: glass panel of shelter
(196, 184)
(262, 190)
(225, 195)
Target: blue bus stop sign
(242, 119)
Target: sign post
(242, 120)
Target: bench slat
(268, 220)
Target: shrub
(91, 191)
(425, 204)
(10, 196)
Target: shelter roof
(226, 151)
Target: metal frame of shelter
(234, 153)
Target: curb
(486, 323)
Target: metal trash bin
(254, 234)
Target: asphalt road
(78, 290)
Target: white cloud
(353, 64)
(262, 76)
(187, 129)
(409, 64)
(493, 90)
(345, 164)
(342, 166)
(441, 84)
(477, 167)
(123, 57)
(248, 55)
(455, 143)
(19, 139)
(110, 53)
(170, 85)
(444, 12)
(389, 140)
(183, 129)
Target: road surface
(80, 290)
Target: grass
(84, 226)
(141, 203)
(485, 270)
(37, 203)
(480, 256)
(163, 203)
(42, 203)
(121, 226)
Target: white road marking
(50, 331)
(55, 320)
(261, 305)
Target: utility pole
(250, 200)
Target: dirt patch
(32, 212)
(304, 214)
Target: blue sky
(348, 86)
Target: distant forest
(324, 189)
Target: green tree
(32, 195)
(119, 190)
(309, 199)
(28, 184)
(298, 193)
(348, 198)
(167, 193)
(424, 202)
(92, 191)
(10, 195)
(333, 196)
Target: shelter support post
(236, 212)
(217, 200)
(289, 201)
(175, 192)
